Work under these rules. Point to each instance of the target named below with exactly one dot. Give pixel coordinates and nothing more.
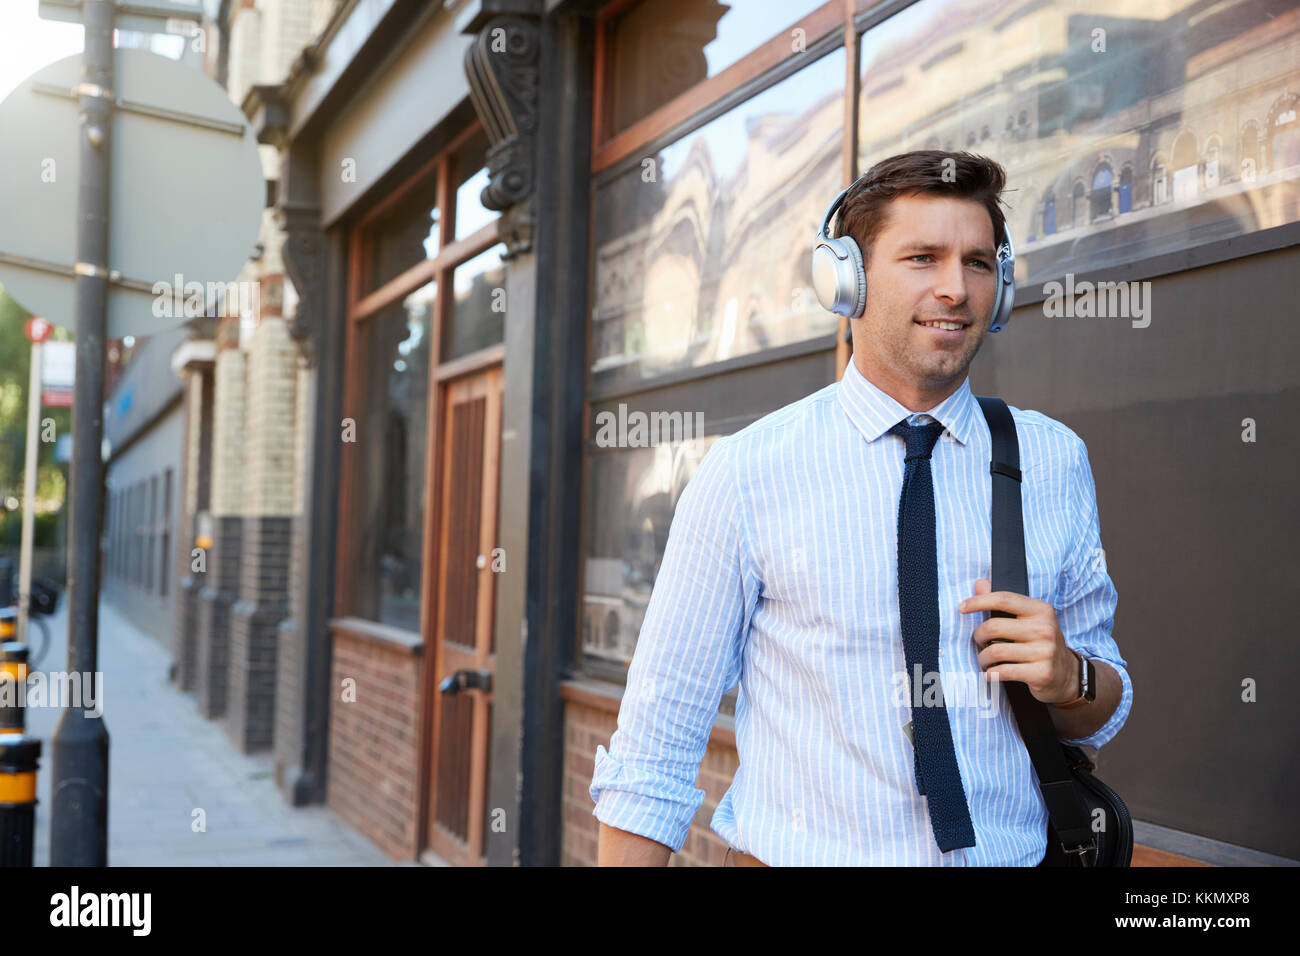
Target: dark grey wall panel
(1201, 530)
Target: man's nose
(950, 284)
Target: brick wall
(586, 727)
(374, 742)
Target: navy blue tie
(937, 775)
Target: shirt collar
(873, 412)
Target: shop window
(690, 232)
(420, 265)
(659, 49)
(1049, 215)
(1157, 96)
(478, 308)
(643, 450)
(471, 178)
(390, 443)
(630, 504)
(401, 236)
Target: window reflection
(478, 310)
(662, 48)
(391, 441)
(404, 237)
(702, 251)
(471, 178)
(1195, 109)
(630, 499)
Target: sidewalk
(165, 761)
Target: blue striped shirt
(780, 576)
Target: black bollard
(19, 758)
(13, 681)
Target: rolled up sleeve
(1086, 611)
(688, 654)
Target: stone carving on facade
(304, 246)
(502, 68)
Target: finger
(1010, 672)
(999, 655)
(1008, 601)
(1002, 629)
(1008, 653)
(983, 586)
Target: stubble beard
(934, 368)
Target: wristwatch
(1087, 683)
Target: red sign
(56, 397)
(38, 329)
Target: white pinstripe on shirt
(780, 575)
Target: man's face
(932, 260)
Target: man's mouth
(948, 328)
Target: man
(781, 573)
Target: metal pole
(79, 758)
(29, 491)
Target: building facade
(501, 222)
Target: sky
(28, 43)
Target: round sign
(38, 330)
(186, 193)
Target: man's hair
(968, 176)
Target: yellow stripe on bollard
(15, 669)
(18, 787)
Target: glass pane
(702, 252)
(478, 310)
(631, 495)
(391, 441)
(404, 237)
(661, 48)
(1147, 137)
(471, 179)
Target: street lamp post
(79, 756)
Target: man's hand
(1028, 647)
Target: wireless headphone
(840, 279)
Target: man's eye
(923, 255)
(981, 263)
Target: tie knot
(920, 438)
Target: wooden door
(464, 649)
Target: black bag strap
(1065, 806)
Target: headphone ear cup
(857, 294)
(1005, 299)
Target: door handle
(460, 680)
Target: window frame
(361, 308)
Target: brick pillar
(270, 443)
(195, 358)
(221, 584)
